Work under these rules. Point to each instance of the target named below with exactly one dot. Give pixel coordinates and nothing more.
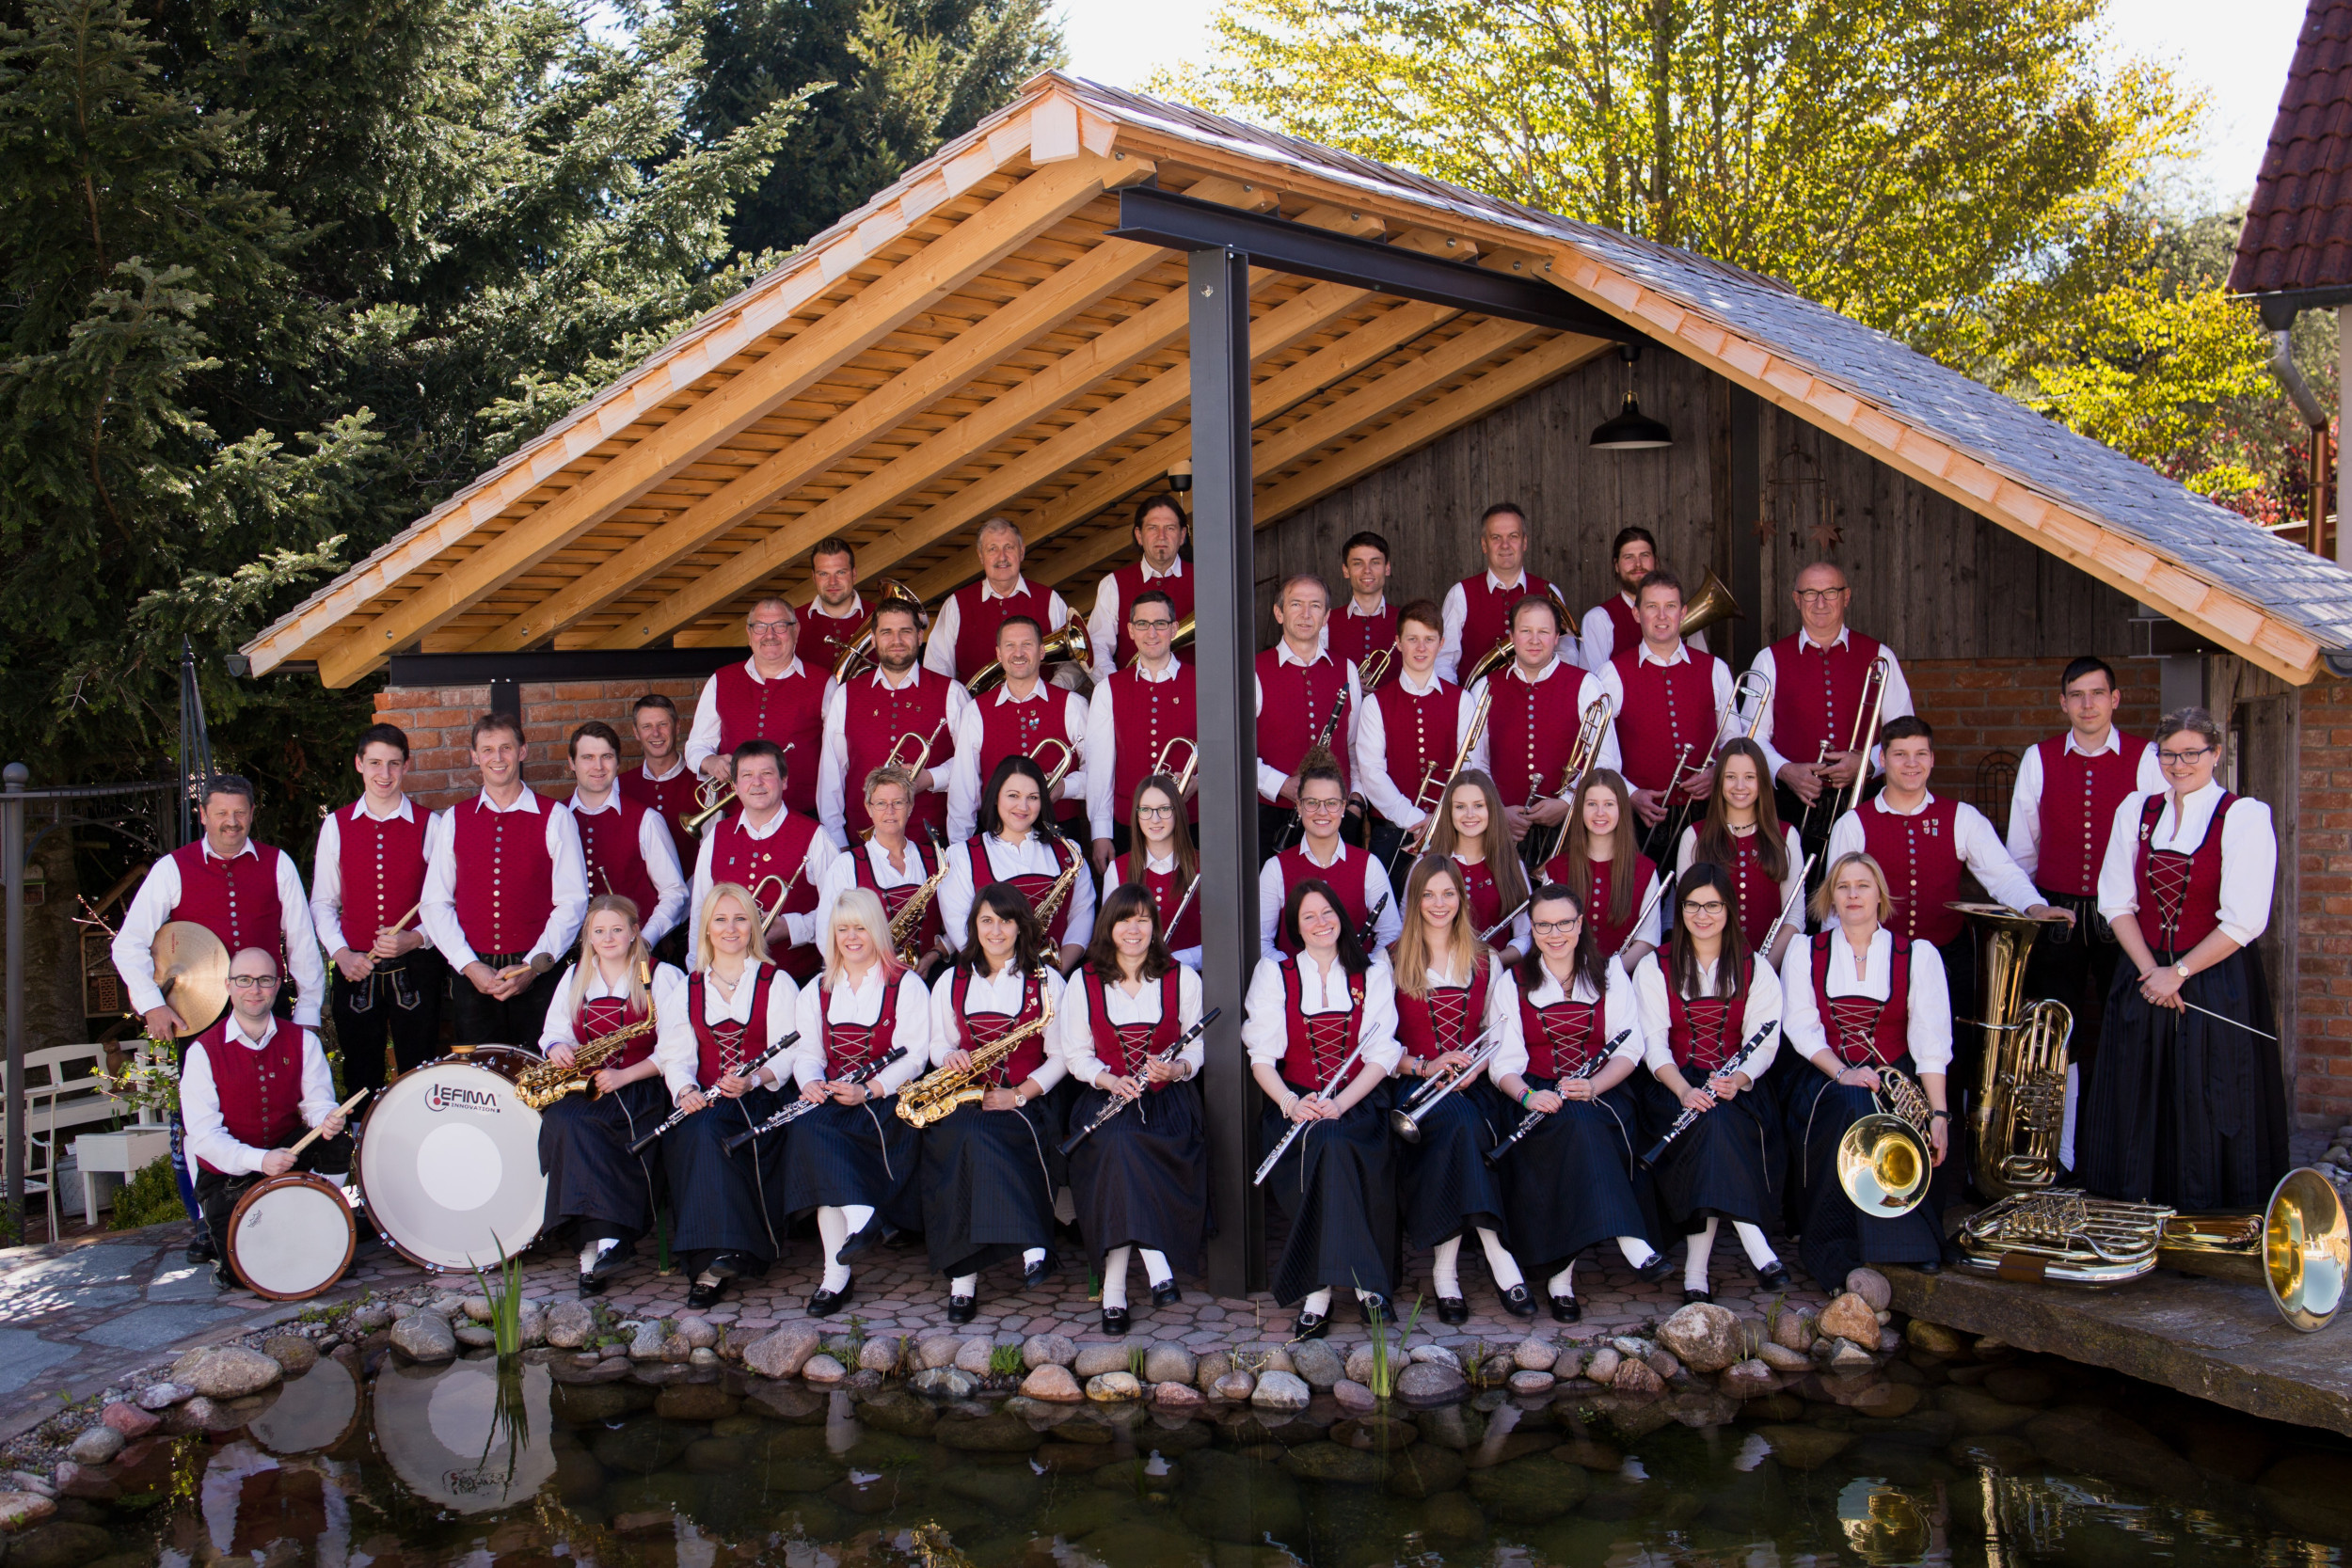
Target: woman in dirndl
(1854, 1000)
(1017, 844)
(2186, 1105)
(1321, 1032)
(1571, 1040)
(1161, 860)
(1141, 1178)
(1618, 885)
(1471, 832)
(595, 1184)
(1711, 1015)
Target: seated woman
(1310, 1014)
(1162, 861)
(1710, 1010)
(1015, 847)
(1571, 1034)
(726, 1210)
(1445, 982)
(866, 1031)
(1141, 1180)
(595, 1184)
(1855, 999)
(990, 1169)
(1616, 883)
(1469, 831)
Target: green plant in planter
(150, 1198)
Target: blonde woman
(1471, 834)
(726, 1211)
(866, 1031)
(593, 1183)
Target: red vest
(2079, 797)
(1704, 1031)
(382, 867)
(2180, 896)
(1123, 1047)
(1448, 1019)
(1020, 729)
(1029, 884)
(1861, 1031)
(1145, 716)
(1167, 893)
(789, 711)
(1350, 877)
(1131, 585)
(1595, 886)
(1667, 708)
(237, 900)
(1817, 695)
(611, 845)
(1485, 900)
(1625, 628)
(1530, 731)
(261, 1091)
(851, 1046)
(730, 1047)
(1318, 1044)
(1920, 856)
(1486, 614)
(822, 637)
(1759, 895)
(735, 856)
(505, 882)
(927, 930)
(975, 1030)
(1560, 1038)
(1419, 733)
(601, 1016)
(978, 620)
(673, 800)
(1296, 702)
(1356, 638)
(874, 717)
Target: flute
(1689, 1115)
(1117, 1104)
(1504, 924)
(681, 1112)
(800, 1108)
(1338, 1076)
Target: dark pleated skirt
(1142, 1178)
(1835, 1237)
(1337, 1186)
(837, 1155)
(988, 1185)
(2183, 1109)
(1573, 1181)
(583, 1152)
(723, 1201)
(1444, 1181)
(1720, 1165)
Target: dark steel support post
(506, 697)
(12, 853)
(1744, 638)
(1223, 522)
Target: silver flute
(1338, 1076)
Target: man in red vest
(1365, 625)
(1135, 712)
(1478, 608)
(366, 879)
(834, 614)
(1816, 678)
(252, 1086)
(1535, 706)
(663, 783)
(1408, 737)
(1024, 716)
(1354, 875)
(504, 890)
(1306, 698)
(763, 838)
(1609, 626)
(897, 701)
(963, 635)
(774, 695)
(624, 848)
(1160, 532)
(1673, 710)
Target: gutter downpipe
(2299, 390)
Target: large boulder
(1793, 1329)
(293, 1354)
(1703, 1337)
(96, 1445)
(1111, 1388)
(783, 1353)
(1048, 1350)
(1872, 1287)
(1536, 1355)
(1424, 1383)
(570, 1324)
(1281, 1390)
(227, 1371)
(1052, 1383)
(1094, 1360)
(422, 1337)
(1169, 1363)
(1318, 1363)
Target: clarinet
(1369, 931)
(1338, 1076)
(1527, 1123)
(1683, 1121)
(1108, 1112)
(681, 1114)
(800, 1108)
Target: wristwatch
(2181, 969)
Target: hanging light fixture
(1630, 429)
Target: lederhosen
(988, 1176)
(837, 1156)
(722, 1201)
(382, 869)
(1573, 1181)
(1337, 1183)
(1723, 1164)
(1143, 1178)
(1445, 1185)
(583, 1138)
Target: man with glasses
(1160, 530)
(774, 695)
(1306, 698)
(1135, 712)
(1673, 710)
(1817, 678)
(1320, 854)
(963, 634)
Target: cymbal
(191, 970)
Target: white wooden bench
(62, 1098)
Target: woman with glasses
(1162, 861)
(1571, 1034)
(1471, 832)
(1711, 1014)
(2186, 1106)
(1360, 884)
(1018, 849)
(1614, 881)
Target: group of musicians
(1692, 916)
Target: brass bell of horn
(2298, 1247)
(1712, 603)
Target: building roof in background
(2298, 226)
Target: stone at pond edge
(1703, 1337)
(693, 1401)
(20, 1509)
(226, 1371)
(1430, 1383)
(1111, 1388)
(293, 1354)
(1804, 1448)
(1782, 1359)
(130, 1421)
(1236, 1384)
(1746, 1379)
(1354, 1397)
(475, 1336)
(1052, 1383)
(1048, 1350)
(698, 1333)
(783, 1353)
(1094, 1360)
(1851, 1317)
(1637, 1377)
(946, 1382)
(1177, 1396)
(935, 1350)
(1603, 1368)
(1872, 1287)
(1281, 1390)
(821, 1368)
(58, 1544)
(1529, 1383)
(97, 1445)
(163, 1396)
(1846, 1356)
(972, 1354)
(878, 1355)
(1793, 1329)
(570, 1324)
(424, 1337)
(1932, 1338)
(1360, 1362)
(1425, 1470)
(1536, 1355)
(1169, 1363)
(1318, 1364)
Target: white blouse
(1759, 1018)
(1274, 894)
(669, 1002)
(997, 995)
(1034, 856)
(1927, 1008)
(1621, 1016)
(2250, 858)
(1266, 1029)
(1073, 1027)
(861, 1004)
(1161, 865)
(677, 1053)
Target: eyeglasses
(1822, 595)
(254, 982)
(1323, 808)
(1713, 906)
(1155, 811)
(2185, 759)
(771, 628)
(1558, 928)
(1157, 623)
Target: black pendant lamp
(1630, 429)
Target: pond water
(2012, 1459)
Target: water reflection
(466, 1436)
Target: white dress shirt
(1266, 1029)
(702, 740)
(1074, 1025)
(568, 882)
(841, 875)
(208, 1135)
(1101, 747)
(861, 1005)
(1588, 693)
(1270, 778)
(1896, 705)
(2025, 802)
(1760, 1016)
(995, 995)
(801, 928)
(833, 769)
(1108, 618)
(1687, 852)
(661, 867)
(1034, 856)
(1927, 1006)
(1159, 866)
(668, 994)
(1621, 1018)
(2249, 858)
(326, 872)
(1455, 613)
(134, 949)
(964, 782)
(1612, 685)
(939, 651)
(676, 1051)
(1274, 893)
(1597, 637)
(1372, 749)
(1978, 844)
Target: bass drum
(292, 1236)
(449, 1162)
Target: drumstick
(311, 1136)
(402, 924)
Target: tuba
(1712, 603)
(1069, 645)
(858, 657)
(2021, 1062)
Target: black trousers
(400, 1003)
(2075, 967)
(216, 1194)
(479, 1019)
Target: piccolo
(1338, 1076)
(681, 1112)
(1110, 1112)
(800, 1108)
(1528, 1123)
(1683, 1121)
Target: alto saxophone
(910, 916)
(543, 1085)
(943, 1091)
(1056, 894)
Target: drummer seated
(251, 1086)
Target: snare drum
(449, 1162)
(292, 1236)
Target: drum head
(466, 1435)
(449, 1167)
(292, 1236)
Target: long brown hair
(1731, 965)
(1138, 858)
(1494, 843)
(1625, 847)
(1416, 945)
(1126, 902)
(1590, 964)
(1715, 840)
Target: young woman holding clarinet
(1603, 860)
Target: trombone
(1430, 797)
(858, 657)
(1865, 725)
(1590, 733)
(1068, 645)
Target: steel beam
(1743, 637)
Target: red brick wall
(2323, 848)
(1982, 705)
(438, 721)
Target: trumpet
(1338, 1076)
(1070, 645)
(711, 798)
(681, 1112)
(1494, 657)
(1060, 770)
(941, 1092)
(1529, 1123)
(1865, 725)
(1590, 732)
(800, 1108)
(1431, 795)
(922, 758)
(1407, 1119)
(858, 657)
(1883, 1160)
(1192, 762)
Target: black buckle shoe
(963, 1309)
(1312, 1325)
(704, 1293)
(1166, 1294)
(1692, 1298)
(824, 1303)
(1452, 1309)
(1774, 1277)
(1520, 1302)
(1565, 1309)
(1931, 1266)
(729, 1265)
(862, 1241)
(1115, 1320)
(1658, 1268)
(1377, 1304)
(1033, 1276)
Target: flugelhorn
(1494, 657)
(711, 798)
(1374, 667)
(1060, 770)
(858, 657)
(784, 890)
(1068, 645)
(914, 769)
(1192, 762)
(1404, 1122)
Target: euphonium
(2298, 1247)
(1883, 1160)
(2021, 1072)
(1070, 645)
(1712, 603)
(542, 1085)
(940, 1092)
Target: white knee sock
(1317, 1302)
(1752, 1239)
(833, 1228)
(1155, 1267)
(1637, 1251)
(964, 1285)
(855, 1215)
(1499, 1262)
(1702, 1244)
(1115, 1277)
(1445, 1270)
(1035, 1255)
(1563, 1283)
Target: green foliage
(150, 1198)
(505, 1297)
(1005, 1361)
